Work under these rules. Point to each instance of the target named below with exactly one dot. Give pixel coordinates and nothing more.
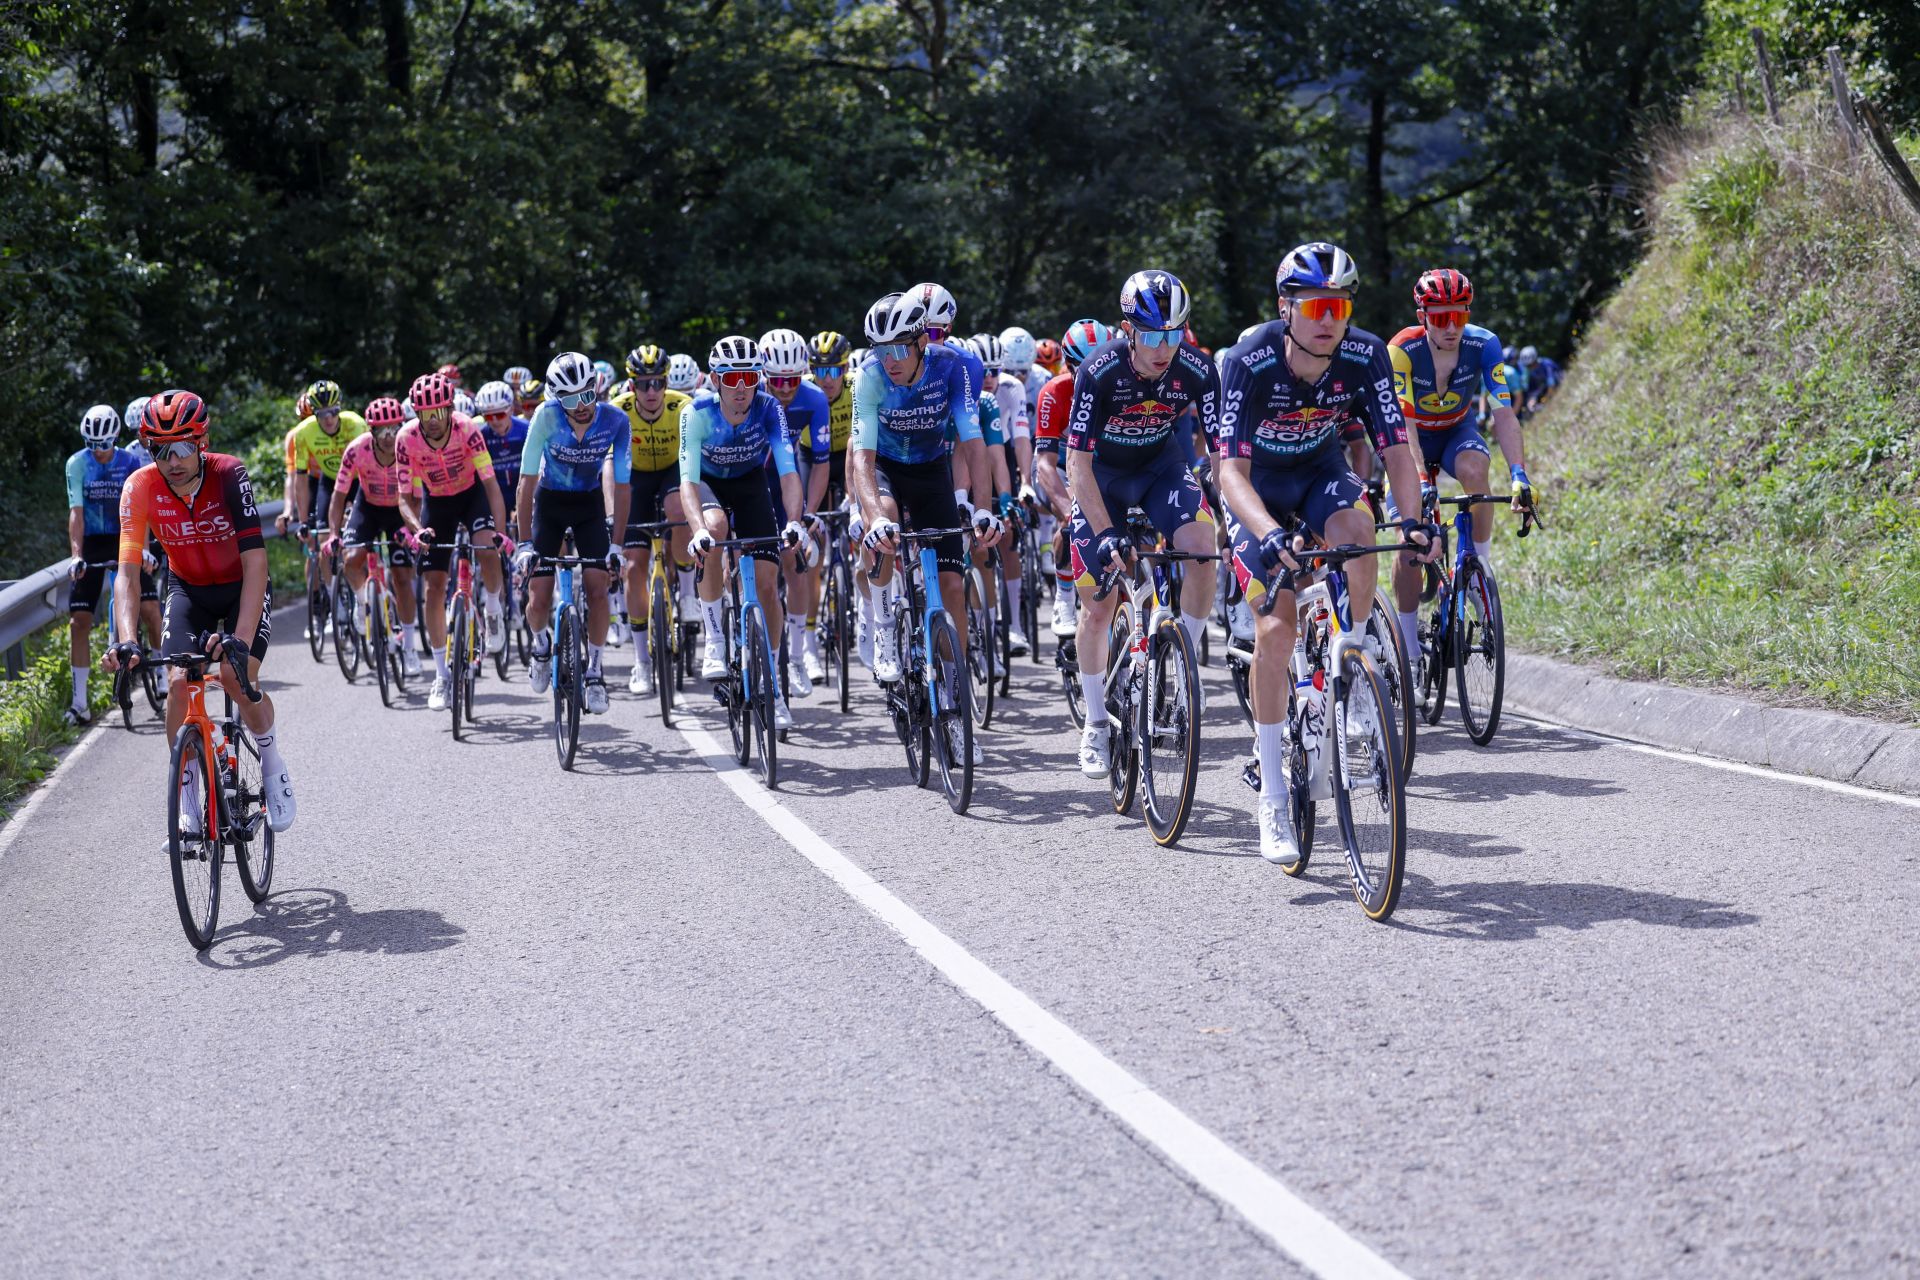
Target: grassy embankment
(1733, 466)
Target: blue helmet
(1155, 299)
(1316, 266)
(1082, 337)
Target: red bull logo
(1147, 417)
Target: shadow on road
(1521, 910)
(1475, 785)
(320, 922)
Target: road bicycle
(216, 797)
(747, 691)
(466, 648)
(667, 646)
(929, 703)
(320, 599)
(1153, 686)
(987, 653)
(379, 631)
(1342, 743)
(1465, 630)
(568, 647)
(1027, 539)
(837, 607)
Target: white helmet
(683, 372)
(408, 411)
(602, 377)
(100, 426)
(735, 354)
(1528, 355)
(783, 352)
(463, 403)
(941, 308)
(515, 376)
(570, 373)
(894, 317)
(957, 343)
(135, 407)
(992, 352)
(494, 397)
(1018, 345)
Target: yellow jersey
(656, 444)
(312, 450)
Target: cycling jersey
(504, 448)
(1434, 408)
(310, 449)
(95, 486)
(909, 424)
(204, 534)
(976, 370)
(457, 465)
(379, 482)
(570, 462)
(808, 410)
(655, 445)
(710, 445)
(1054, 408)
(1272, 417)
(840, 410)
(1126, 421)
(1010, 394)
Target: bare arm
(77, 532)
(1507, 431)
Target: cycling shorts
(745, 499)
(1311, 493)
(649, 502)
(190, 610)
(365, 522)
(95, 548)
(444, 513)
(1168, 492)
(923, 493)
(1443, 448)
(557, 510)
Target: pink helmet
(431, 391)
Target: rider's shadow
(320, 922)
(1520, 910)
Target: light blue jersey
(910, 424)
(572, 464)
(711, 445)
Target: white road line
(1731, 766)
(1303, 1232)
(14, 825)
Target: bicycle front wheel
(123, 694)
(346, 639)
(251, 836)
(1368, 800)
(948, 696)
(660, 628)
(317, 613)
(565, 679)
(760, 693)
(1436, 658)
(1479, 653)
(1123, 775)
(380, 649)
(1396, 673)
(1167, 729)
(194, 854)
(457, 661)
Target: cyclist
(1122, 451)
(95, 475)
(653, 415)
(603, 377)
(136, 407)
(314, 451)
(830, 359)
(1055, 405)
(371, 469)
(571, 435)
(516, 377)
(1543, 375)
(1293, 393)
(1047, 355)
(1002, 411)
(451, 372)
(1020, 351)
(726, 437)
(505, 432)
(446, 480)
(201, 507)
(908, 392)
(785, 358)
(683, 373)
(1439, 366)
(527, 397)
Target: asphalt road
(1635, 1017)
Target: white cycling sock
(1195, 627)
(593, 657)
(1013, 599)
(1094, 687)
(80, 685)
(440, 662)
(686, 581)
(796, 634)
(408, 640)
(879, 598)
(711, 615)
(1270, 742)
(1410, 631)
(1485, 551)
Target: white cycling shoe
(1277, 844)
(886, 652)
(810, 657)
(496, 634)
(540, 672)
(594, 690)
(1017, 643)
(410, 662)
(799, 683)
(640, 679)
(437, 696)
(1066, 613)
(1096, 749)
(713, 663)
(782, 715)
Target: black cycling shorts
(924, 493)
(1311, 493)
(365, 522)
(445, 513)
(190, 610)
(557, 510)
(746, 500)
(650, 490)
(97, 548)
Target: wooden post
(1766, 75)
(1740, 91)
(1843, 100)
(1890, 157)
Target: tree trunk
(1379, 260)
(395, 22)
(146, 90)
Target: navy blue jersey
(1126, 421)
(1275, 419)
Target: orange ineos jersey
(204, 534)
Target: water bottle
(1310, 708)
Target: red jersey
(203, 535)
(1051, 410)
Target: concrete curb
(1820, 744)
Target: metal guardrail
(39, 599)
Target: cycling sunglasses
(1452, 318)
(829, 370)
(649, 384)
(578, 399)
(176, 449)
(1160, 337)
(894, 350)
(786, 382)
(936, 334)
(497, 413)
(737, 378)
(1324, 308)
(326, 413)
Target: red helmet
(385, 412)
(1046, 351)
(1443, 287)
(451, 372)
(174, 415)
(303, 407)
(431, 391)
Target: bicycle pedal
(1251, 774)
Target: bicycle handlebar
(1284, 579)
(198, 659)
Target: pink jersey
(379, 485)
(454, 467)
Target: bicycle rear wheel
(1167, 728)
(1030, 599)
(840, 628)
(1480, 653)
(918, 737)
(1397, 674)
(1066, 659)
(760, 693)
(948, 696)
(1436, 658)
(1123, 774)
(1368, 800)
(155, 685)
(457, 661)
(473, 662)
(660, 636)
(565, 679)
(979, 657)
(252, 838)
(380, 649)
(317, 612)
(346, 637)
(194, 858)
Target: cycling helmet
(530, 390)
(135, 408)
(941, 308)
(568, 374)
(895, 317)
(100, 426)
(302, 408)
(430, 391)
(494, 397)
(463, 404)
(828, 348)
(451, 372)
(386, 411)
(516, 375)
(646, 361)
(407, 410)
(1154, 299)
(1443, 287)
(174, 415)
(683, 372)
(1082, 337)
(324, 394)
(735, 353)
(957, 343)
(1528, 355)
(783, 353)
(1018, 344)
(1316, 266)
(991, 351)
(1046, 351)
(602, 376)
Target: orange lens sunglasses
(1326, 308)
